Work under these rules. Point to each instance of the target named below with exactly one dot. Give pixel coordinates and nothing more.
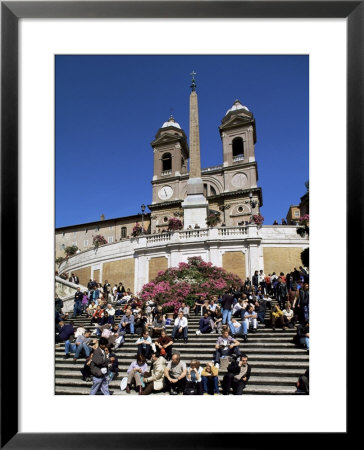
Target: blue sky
(109, 108)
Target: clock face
(165, 193)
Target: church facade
(230, 188)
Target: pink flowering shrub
(138, 230)
(258, 219)
(305, 219)
(188, 281)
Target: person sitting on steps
(237, 376)
(225, 346)
(180, 327)
(175, 375)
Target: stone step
(249, 390)
(253, 380)
(253, 359)
(244, 347)
(268, 367)
(75, 372)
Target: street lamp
(143, 209)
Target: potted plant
(168, 310)
(137, 230)
(304, 225)
(174, 224)
(59, 260)
(258, 219)
(71, 250)
(213, 219)
(98, 240)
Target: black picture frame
(11, 12)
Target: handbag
(123, 383)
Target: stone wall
(234, 262)
(156, 265)
(83, 274)
(120, 271)
(282, 259)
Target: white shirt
(181, 322)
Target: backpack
(190, 389)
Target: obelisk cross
(193, 85)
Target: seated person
(180, 327)
(276, 316)
(154, 380)
(86, 370)
(175, 375)
(213, 308)
(210, 379)
(225, 346)
(303, 384)
(250, 318)
(260, 308)
(217, 321)
(237, 308)
(157, 326)
(82, 343)
(193, 379)
(237, 376)
(135, 373)
(91, 309)
(113, 366)
(239, 329)
(65, 331)
(204, 324)
(185, 309)
(164, 342)
(97, 314)
(205, 306)
(140, 322)
(127, 322)
(115, 338)
(288, 314)
(198, 306)
(144, 344)
(303, 335)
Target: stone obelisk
(195, 205)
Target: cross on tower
(193, 85)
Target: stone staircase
(276, 363)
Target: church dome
(237, 105)
(171, 123)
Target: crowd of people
(157, 365)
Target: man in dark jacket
(77, 309)
(66, 330)
(99, 368)
(303, 303)
(237, 376)
(226, 303)
(281, 293)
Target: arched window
(166, 162)
(205, 190)
(212, 190)
(238, 149)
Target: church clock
(165, 193)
